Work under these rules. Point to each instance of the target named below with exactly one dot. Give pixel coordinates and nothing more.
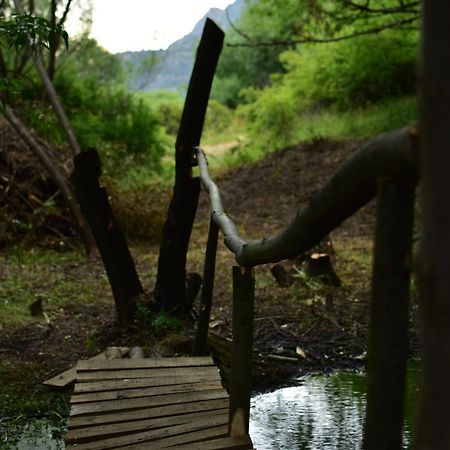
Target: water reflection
(37, 435)
(323, 413)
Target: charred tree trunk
(433, 432)
(170, 282)
(111, 243)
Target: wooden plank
(143, 373)
(133, 383)
(115, 364)
(144, 392)
(69, 376)
(138, 403)
(217, 421)
(147, 413)
(229, 442)
(81, 435)
(193, 438)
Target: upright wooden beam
(207, 290)
(242, 351)
(119, 264)
(388, 340)
(170, 282)
(433, 262)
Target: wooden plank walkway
(150, 404)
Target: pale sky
(147, 24)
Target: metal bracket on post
(388, 339)
(242, 351)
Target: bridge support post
(242, 351)
(388, 338)
(207, 290)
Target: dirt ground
(308, 327)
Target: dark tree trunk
(111, 243)
(433, 431)
(170, 282)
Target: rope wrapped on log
(392, 154)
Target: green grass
(358, 124)
(363, 123)
(57, 278)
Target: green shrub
(218, 117)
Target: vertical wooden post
(119, 264)
(207, 290)
(242, 351)
(170, 281)
(433, 262)
(388, 339)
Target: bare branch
(237, 30)
(404, 8)
(313, 40)
(66, 12)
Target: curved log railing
(391, 155)
(387, 165)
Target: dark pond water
(321, 413)
(37, 435)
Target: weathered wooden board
(191, 438)
(148, 413)
(141, 373)
(115, 364)
(144, 392)
(130, 404)
(229, 442)
(133, 383)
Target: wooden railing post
(388, 339)
(207, 290)
(242, 351)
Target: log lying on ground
(392, 154)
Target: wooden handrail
(354, 184)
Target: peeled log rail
(392, 154)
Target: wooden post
(207, 290)
(388, 339)
(242, 351)
(111, 243)
(170, 281)
(433, 431)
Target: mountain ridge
(174, 65)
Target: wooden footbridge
(150, 404)
(179, 402)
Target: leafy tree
(268, 28)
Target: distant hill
(174, 66)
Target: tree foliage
(37, 32)
(316, 54)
